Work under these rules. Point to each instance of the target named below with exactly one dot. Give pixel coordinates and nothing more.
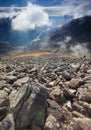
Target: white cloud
(30, 17)
(6, 12)
(80, 49)
(89, 12)
(67, 39)
(58, 10)
(73, 8)
(36, 16)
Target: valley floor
(45, 91)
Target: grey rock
(7, 90)
(22, 80)
(4, 100)
(55, 110)
(8, 123)
(74, 83)
(80, 124)
(51, 123)
(89, 71)
(68, 94)
(3, 112)
(29, 106)
(11, 79)
(2, 84)
(84, 94)
(66, 75)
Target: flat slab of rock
(22, 80)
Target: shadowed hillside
(6, 47)
(77, 31)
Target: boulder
(8, 123)
(80, 124)
(29, 106)
(56, 94)
(3, 112)
(66, 75)
(11, 79)
(4, 100)
(84, 94)
(55, 110)
(74, 83)
(51, 123)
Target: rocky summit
(49, 92)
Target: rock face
(50, 92)
(30, 106)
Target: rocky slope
(77, 31)
(50, 92)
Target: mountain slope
(77, 31)
(6, 47)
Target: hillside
(6, 47)
(77, 31)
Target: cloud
(63, 44)
(89, 12)
(72, 8)
(31, 17)
(58, 10)
(34, 16)
(80, 49)
(6, 12)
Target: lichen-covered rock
(29, 106)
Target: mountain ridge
(78, 31)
